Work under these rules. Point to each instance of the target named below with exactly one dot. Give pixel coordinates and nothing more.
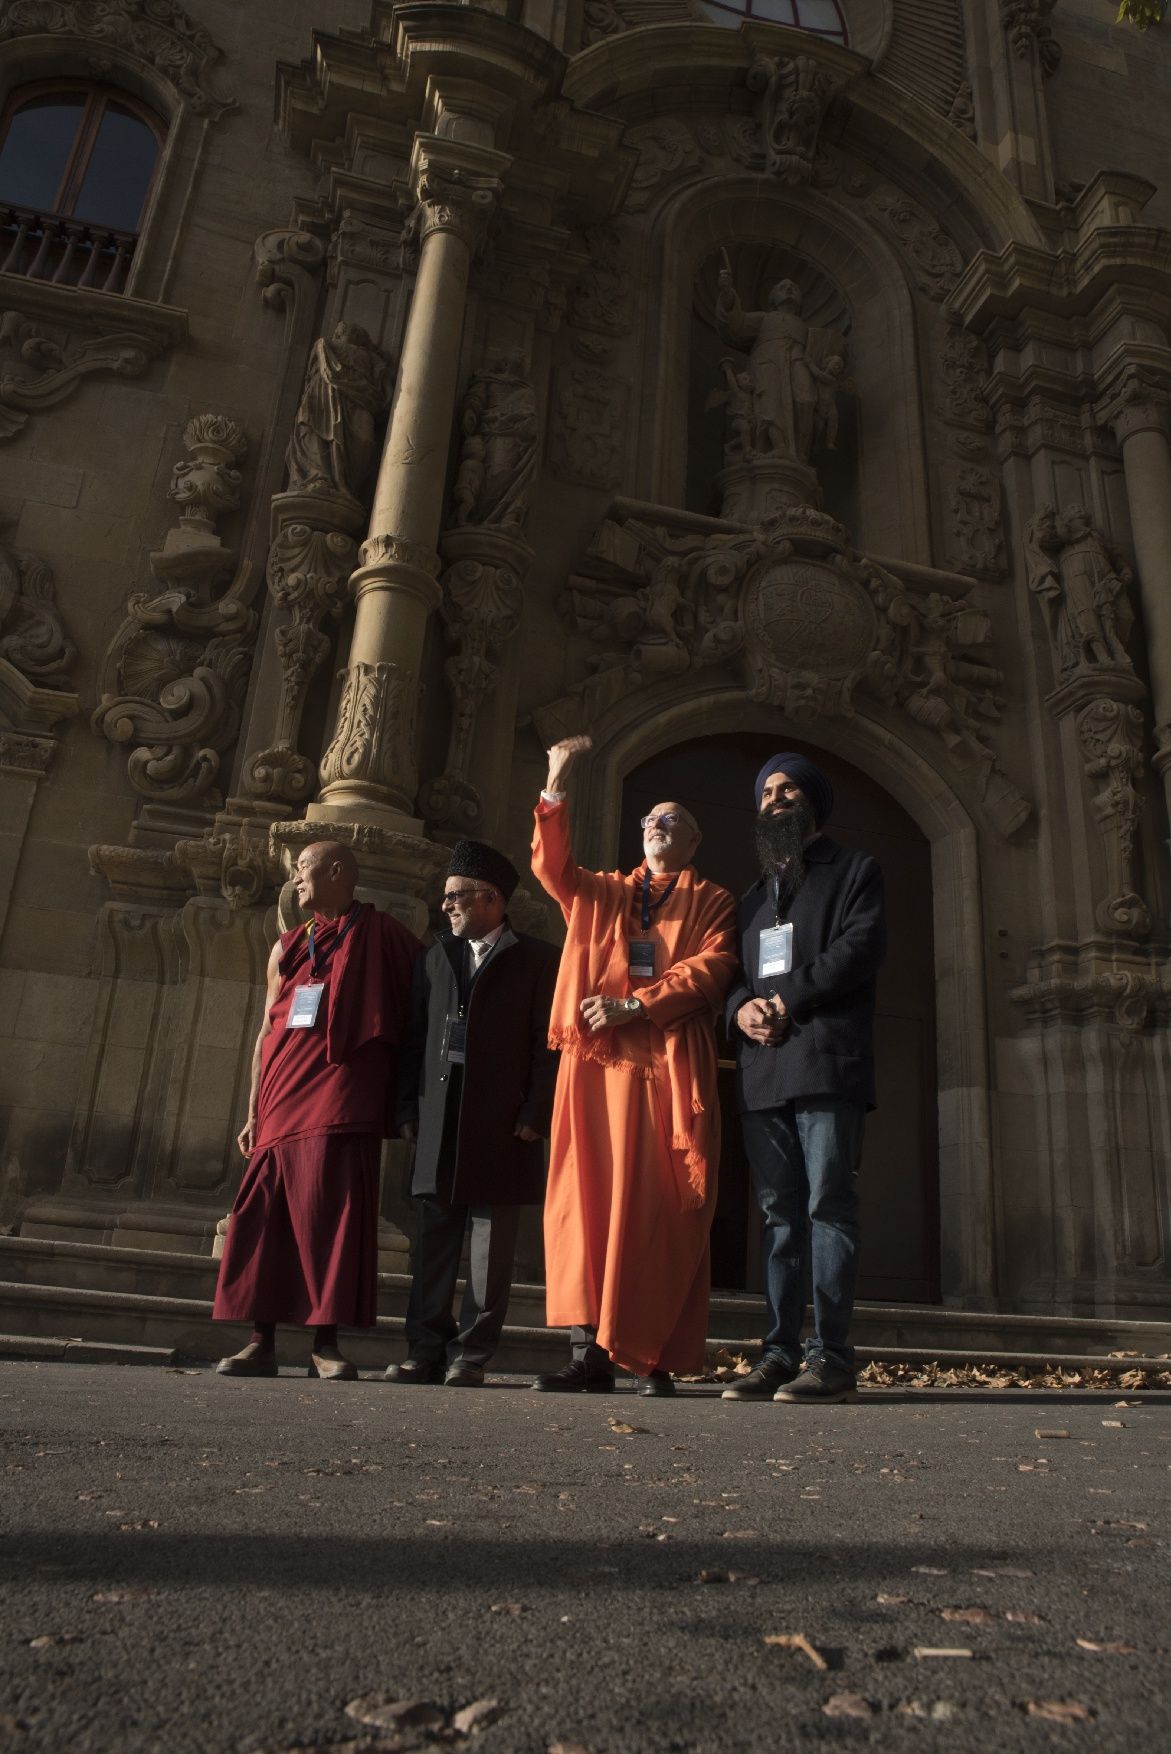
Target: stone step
(141, 1298)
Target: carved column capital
(456, 188)
(1026, 25)
(1138, 402)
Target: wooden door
(714, 776)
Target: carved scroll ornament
(48, 363)
(175, 673)
(156, 31)
(794, 93)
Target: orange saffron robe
(635, 1144)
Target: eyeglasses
(668, 819)
(459, 896)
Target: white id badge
(457, 1041)
(776, 950)
(642, 959)
(306, 1004)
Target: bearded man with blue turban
(812, 936)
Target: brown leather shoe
(251, 1360)
(336, 1369)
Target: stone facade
(530, 372)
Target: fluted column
(1139, 416)
(369, 771)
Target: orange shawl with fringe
(675, 1045)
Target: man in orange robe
(635, 1143)
(302, 1242)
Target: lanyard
(648, 906)
(314, 966)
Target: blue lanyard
(648, 906)
(330, 948)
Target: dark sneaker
(575, 1378)
(820, 1382)
(762, 1383)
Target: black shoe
(820, 1381)
(659, 1382)
(414, 1370)
(762, 1383)
(575, 1378)
(464, 1376)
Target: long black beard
(780, 847)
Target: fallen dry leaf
(1114, 1647)
(967, 1616)
(394, 1714)
(1114, 1424)
(1059, 1711)
(847, 1705)
(887, 1601)
(1042, 1433)
(933, 1650)
(939, 1709)
(476, 1716)
(1024, 1617)
(798, 1641)
(567, 1748)
(45, 1640)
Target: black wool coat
(839, 941)
(467, 1151)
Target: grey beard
(780, 847)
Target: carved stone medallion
(810, 617)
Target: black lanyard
(648, 906)
(314, 966)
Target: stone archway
(636, 729)
(900, 1262)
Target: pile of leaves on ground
(727, 1366)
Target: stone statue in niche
(1082, 586)
(335, 432)
(498, 461)
(795, 369)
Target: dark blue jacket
(839, 941)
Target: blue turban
(803, 773)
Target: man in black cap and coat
(801, 1012)
(475, 1093)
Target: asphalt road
(194, 1564)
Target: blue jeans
(805, 1159)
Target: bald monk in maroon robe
(302, 1243)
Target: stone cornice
(79, 307)
(1115, 269)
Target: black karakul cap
(476, 859)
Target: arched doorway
(900, 1176)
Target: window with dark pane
(76, 166)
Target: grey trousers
(432, 1330)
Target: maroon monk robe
(302, 1242)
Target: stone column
(369, 771)
(1139, 416)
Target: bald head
(325, 876)
(670, 836)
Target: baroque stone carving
(1110, 732)
(335, 432)
(32, 636)
(482, 601)
(51, 362)
(964, 370)
(288, 260)
(498, 459)
(1096, 983)
(308, 576)
(375, 736)
(666, 150)
(156, 31)
(976, 524)
(600, 298)
(588, 437)
(962, 113)
(449, 197)
(174, 675)
(1082, 587)
(811, 625)
(1026, 24)
(794, 92)
(936, 260)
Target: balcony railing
(67, 252)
